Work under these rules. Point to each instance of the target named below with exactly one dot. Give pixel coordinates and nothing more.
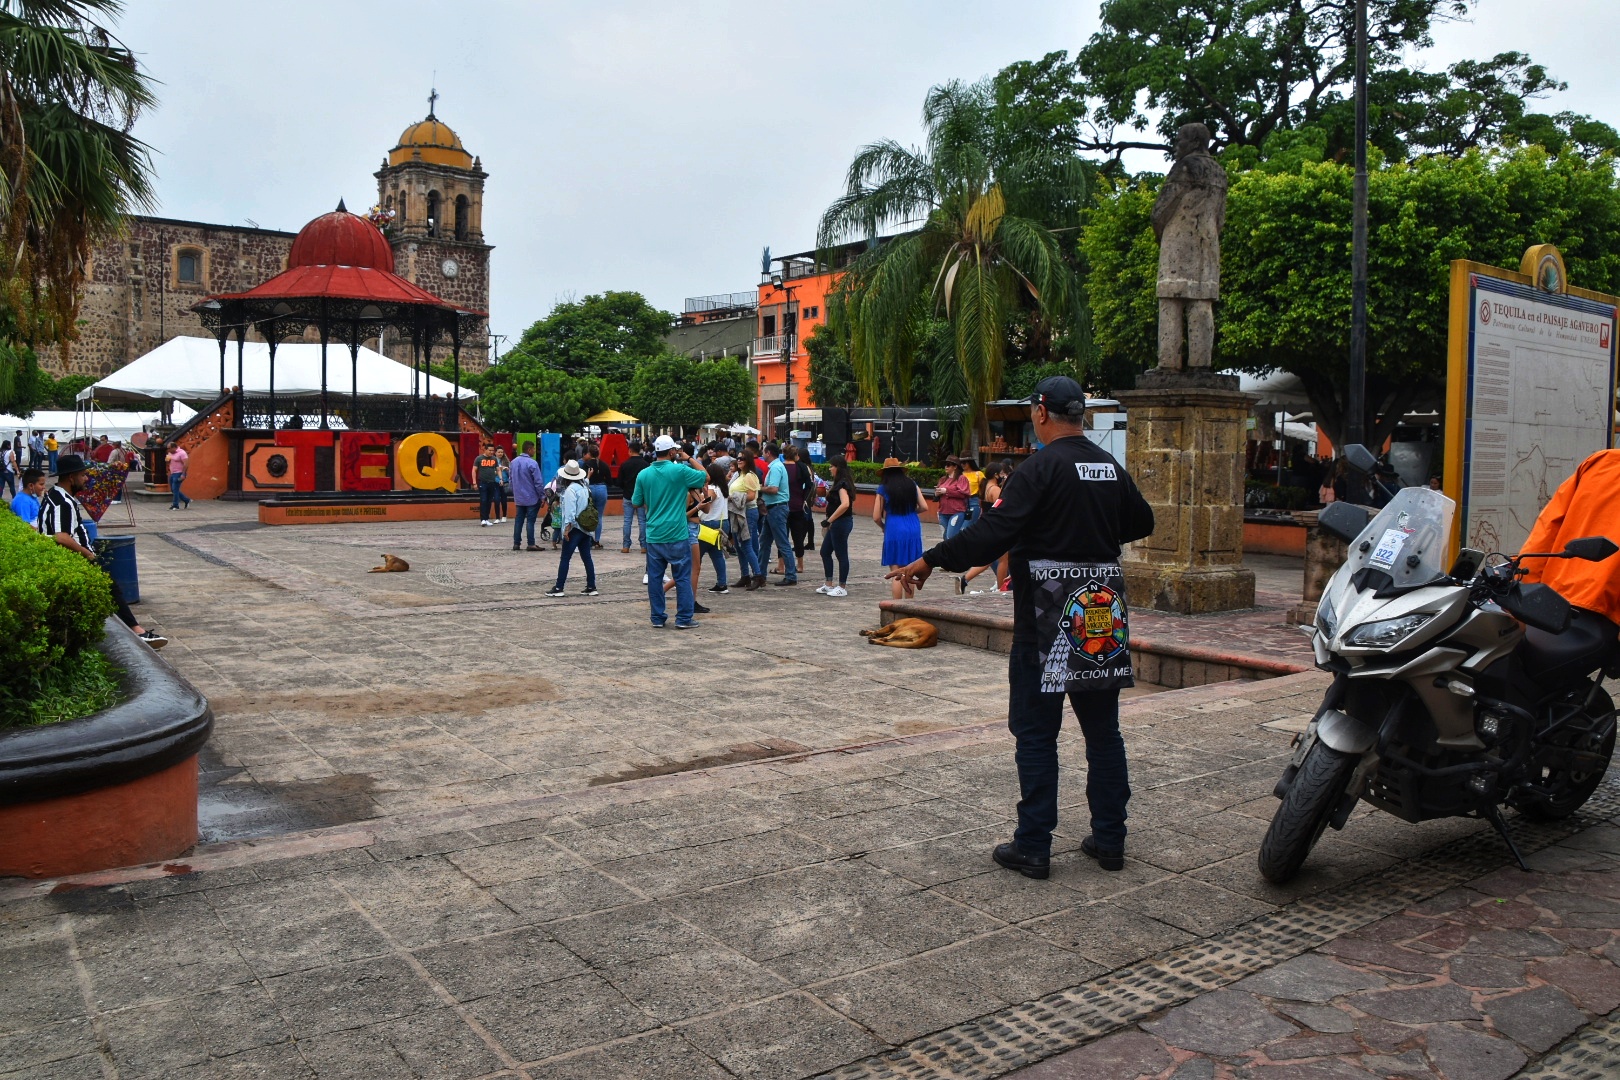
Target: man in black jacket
(628, 472)
(1063, 516)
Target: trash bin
(117, 555)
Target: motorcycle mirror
(1590, 548)
(1467, 565)
(1344, 520)
(1361, 459)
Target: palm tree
(69, 167)
(980, 215)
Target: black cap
(68, 464)
(1059, 394)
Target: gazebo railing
(373, 414)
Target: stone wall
(135, 300)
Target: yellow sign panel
(440, 475)
(1530, 391)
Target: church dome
(341, 239)
(432, 141)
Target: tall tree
(607, 335)
(523, 394)
(69, 167)
(1285, 265)
(983, 217)
(672, 390)
(1253, 69)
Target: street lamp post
(1356, 405)
(790, 326)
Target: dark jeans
(577, 540)
(1034, 719)
(8, 481)
(774, 529)
(126, 616)
(489, 494)
(803, 530)
(718, 558)
(678, 557)
(524, 513)
(835, 541)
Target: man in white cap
(661, 490)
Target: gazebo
(340, 279)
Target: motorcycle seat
(1556, 659)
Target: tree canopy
(672, 390)
(1285, 264)
(606, 335)
(1254, 69)
(523, 394)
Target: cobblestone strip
(1001, 1042)
(1593, 1054)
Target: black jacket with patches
(1071, 501)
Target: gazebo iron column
(325, 328)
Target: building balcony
(769, 348)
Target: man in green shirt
(661, 490)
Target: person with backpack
(575, 510)
(597, 476)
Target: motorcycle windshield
(1407, 539)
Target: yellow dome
(432, 141)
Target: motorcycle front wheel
(1305, 811)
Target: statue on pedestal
(1187, 219)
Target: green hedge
(871, 472)
(52, 606)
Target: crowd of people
(752, 502)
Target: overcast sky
(648, 146)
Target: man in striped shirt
(61, 517)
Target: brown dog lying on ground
(392, 564)
(904, 634)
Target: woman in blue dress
(895, 510)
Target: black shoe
(699, 609)
(516, 548)
(1108, 860)
(591, 592)
(718, 588)
(1009, 856)
(532, 547)
(785, 581)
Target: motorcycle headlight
(1324, 620)
(1387, 633)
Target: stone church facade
(143, 283)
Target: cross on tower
(433, 97)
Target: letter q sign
(441, 471)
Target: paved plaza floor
(460, 830)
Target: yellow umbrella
(612, 416)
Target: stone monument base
(1184, 448)
(1187, 591)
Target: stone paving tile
(1470, 985)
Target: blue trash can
(118, 559)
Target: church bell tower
(434, 191)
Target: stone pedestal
(1184, 448)
(1324, 554)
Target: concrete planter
(114, 789)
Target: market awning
(611, 416)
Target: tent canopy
(67, 424)
(187, 369)
(611, 416)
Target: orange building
(792, 303)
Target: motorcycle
(1456, 691)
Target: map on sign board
(1539, 395)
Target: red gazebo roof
(341, 256)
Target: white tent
(68, 424)
(187, 369)
(1278, 390)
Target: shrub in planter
(871, 472)
(52, 606)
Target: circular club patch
(1094, 621)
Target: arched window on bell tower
(401, 218)
(463, 217)
(433, 210)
